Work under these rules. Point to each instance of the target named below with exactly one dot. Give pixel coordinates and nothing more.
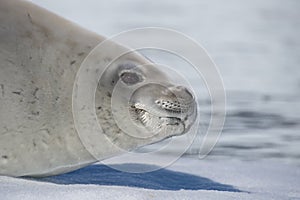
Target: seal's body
(40, 55)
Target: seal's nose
(186, 103)
(183, 93)
(177, 99)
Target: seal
(40, 56)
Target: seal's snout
(169, 108)
(176, 99)
(188, 105)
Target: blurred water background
(254, 43)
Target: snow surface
(188, 178)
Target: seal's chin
(156, 123)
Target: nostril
(189, 93)
(180, 88)
(184, 92)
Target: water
(256, 46)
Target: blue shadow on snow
(162, 179)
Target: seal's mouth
(155, 121)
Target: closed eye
(130, 78)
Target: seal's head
(141, 104)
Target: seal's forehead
(147, 70)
